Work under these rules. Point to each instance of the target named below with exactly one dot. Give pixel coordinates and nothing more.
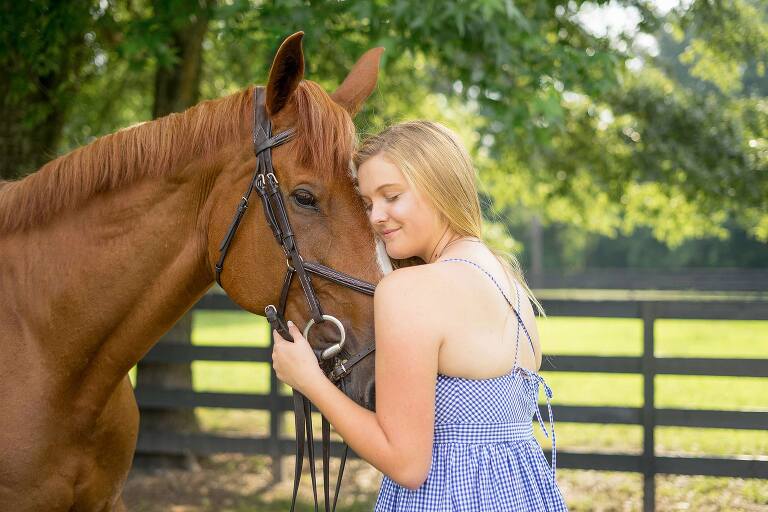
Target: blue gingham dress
(484, 456)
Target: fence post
(275, 422)
(168, 375)
(649, 402)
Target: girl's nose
(377, 214)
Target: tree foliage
(43, 55)
(579, 128)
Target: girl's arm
(397, 438)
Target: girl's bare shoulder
(418, 291)
(406, 307)
(421, 280)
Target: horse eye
(305, 199)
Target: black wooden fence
(700, 279)
(648, 416)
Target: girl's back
(478, 321)
(484, 455)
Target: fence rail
(647, 415)
(701, 279)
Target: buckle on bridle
(339, 371)
(289, 257)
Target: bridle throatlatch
(334, 360)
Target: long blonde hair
(435, 163)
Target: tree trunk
(177, 87)
(42, 54)
(164, 376)
(26, 145)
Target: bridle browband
(266, 185)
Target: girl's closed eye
(392, 198)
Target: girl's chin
(398, 255)
(392, 251)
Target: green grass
(590, 336)
(229, 328)
(231, 377)
(674, 338)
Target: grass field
(573, 336)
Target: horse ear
(360, 81)
(285, 74)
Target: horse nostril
(370, 396)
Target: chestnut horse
(105, 248)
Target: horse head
(314, 178)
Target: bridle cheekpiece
(332, 359)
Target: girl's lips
(387, 234)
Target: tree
(566, 124)
(44, 47)
(177, 79)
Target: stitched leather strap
(340, 278)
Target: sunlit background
(622, 147)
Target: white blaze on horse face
(382, 258)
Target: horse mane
(324, 141)
(325, 133)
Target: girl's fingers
(295, 332)
(277, 336)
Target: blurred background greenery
(623, 133)
(629, 133)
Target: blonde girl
(457, 349)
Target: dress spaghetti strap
(537, 378)
(516, 310)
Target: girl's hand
(295, 363)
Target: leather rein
(335, 360)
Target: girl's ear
(285, 74)
(360, 82)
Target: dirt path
(236, 483)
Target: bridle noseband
(266, 185)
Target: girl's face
(400, 216)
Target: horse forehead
(335, 181)
(340, 185)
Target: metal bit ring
(333, 350)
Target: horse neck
(95, 288)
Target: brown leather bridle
(334, 360)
